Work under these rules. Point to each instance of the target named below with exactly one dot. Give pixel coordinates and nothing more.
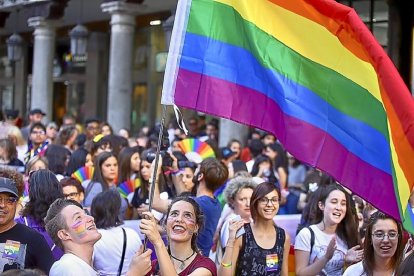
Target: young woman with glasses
(264, 247)
(383, 248)
(324, 248)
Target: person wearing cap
(19, 243)
(35, 116)
(11, 116)
(227, 155)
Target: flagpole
(154, 172)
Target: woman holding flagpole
(182, 257)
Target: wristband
(226, 265)
(175, 172)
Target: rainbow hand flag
(129, 186)
(83, 173)
(196, 150)
(309, 72)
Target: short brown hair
(261, 191)
(54, 221)
(70, 181)
(215, 173)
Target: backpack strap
(121, 264)
(312, 240)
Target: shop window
(374, 13)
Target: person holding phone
(264, 248)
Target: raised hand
(354, 254)
(234, 225)
(330, 250)
(148, 227)
(141, 262)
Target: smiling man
(75, 232)
(21, 246)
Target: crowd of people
(74, 200)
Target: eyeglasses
(8, 200)
(40, 132)
(381, 235)
(265, 200)
(70, 195)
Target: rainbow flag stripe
(311, 73)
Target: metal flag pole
(154, 172)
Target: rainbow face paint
(80, 228)
(186, 220)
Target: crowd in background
(211, 216)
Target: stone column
(231, 130)
(120, 62)
(20, 83)
(168, 26)
(43, 53)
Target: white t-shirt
(357, 270)
(108, 250)
(71, 265)
(335, 265)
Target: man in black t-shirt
(19, 244)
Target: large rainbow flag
(308, 71)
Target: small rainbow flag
(309, 72)
(83, 173)
(196, 150)
(129, 186)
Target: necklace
(182, 265)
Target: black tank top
(254, 260)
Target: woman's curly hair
(44, 189)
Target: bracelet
(226, 265)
